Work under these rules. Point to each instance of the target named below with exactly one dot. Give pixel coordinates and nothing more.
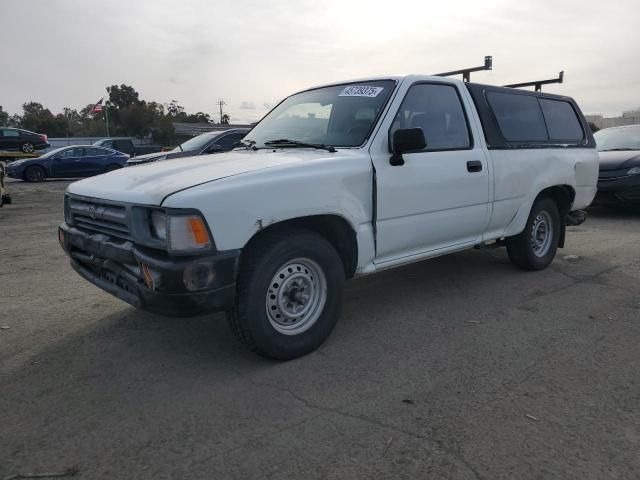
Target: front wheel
(536, 246)
(34, 173)
(289, 294)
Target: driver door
(67, 163)
(438, 200)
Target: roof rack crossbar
(538, 83)
(466, 72)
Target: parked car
(126, 145)
(17, 139)
(619, 178)
(67, 162)
(337, 181)
(204, 144)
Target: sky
(251, 53)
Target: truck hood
(151, 183)
(616, 160)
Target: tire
(536, 246)
(111, 168)
(34, 173)
(288, 295)
(27, 147)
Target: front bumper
(623, 190)
(150, 279)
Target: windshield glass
(196, 143)
(340, 115)
(618, 139)
(50, 153)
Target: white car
(336, 181)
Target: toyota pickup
(335, 182)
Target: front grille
(97, 216)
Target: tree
(4, 118)
(174, 110)
(199, 117)
(39, 119)
(122, 96)
(226, 119)
(593, 127)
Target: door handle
(474, 166)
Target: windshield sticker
(361, 91)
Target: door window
(10, 133)
(438, 111)
(96, 152)
(69, 152)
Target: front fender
(238, 207)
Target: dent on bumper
(118, 267)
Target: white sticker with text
(361, 91)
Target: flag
(98, 106)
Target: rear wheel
(536, 246)
(27, 147)
(289, 294)
(34, 173)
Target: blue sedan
(67, 162)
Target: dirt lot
(461, 367)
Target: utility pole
(106, 117)
(220, 103)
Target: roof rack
(466, 72)
(538, 83)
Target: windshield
(196, 143)
(50, 153)
(618, 139)
(339, 116)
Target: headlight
(634, 171)
(182, 233)
(159, 224)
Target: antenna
(466, 72)
(538, 83)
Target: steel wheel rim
(296, 296)
(541, 234)
(27, 148)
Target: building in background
(630, 117)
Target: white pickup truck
(336, 181)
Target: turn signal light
(199, 230)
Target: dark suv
(22, 140)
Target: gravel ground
(460, 367)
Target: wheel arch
(43, 167)
(562, 194)
(334, 228)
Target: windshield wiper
(249, 144)
(296, 143)
(619, 149)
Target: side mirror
(406, 140)
(215, 148)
